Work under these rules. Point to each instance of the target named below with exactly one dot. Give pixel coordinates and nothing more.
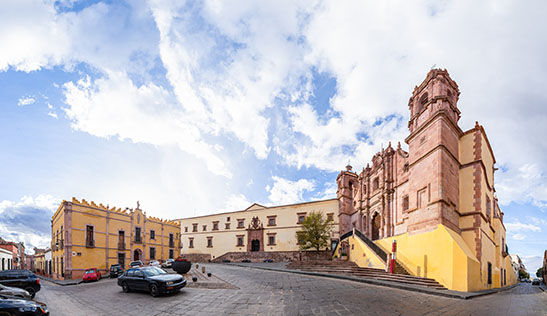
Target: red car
(92, 275)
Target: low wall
(276, 256)
(196, 257)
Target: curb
(425, 290)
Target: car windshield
(153, 271)
(89, 271)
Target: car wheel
(31, 291)
(125, 288)
(154, 291)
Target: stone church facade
(446, 178)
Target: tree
(523, 274)
(539, 272)
(315, 233)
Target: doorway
(137, 255)
(376, 224)
(255, 245)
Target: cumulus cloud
(284, 191)
(28, 220)
(25, 101)
(515, 227)
(235, 202)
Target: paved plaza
(262, 292)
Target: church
(437, 201)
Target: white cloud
(285, 191)
(235, 202)
(518, 236)
(25, 101)
(28, 220)
(532, 263)
(515, 227)
(52, 114)
(115, 106)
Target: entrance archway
(137, 255)
(255, 245)
(376, 225)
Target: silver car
(14, 292)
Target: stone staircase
(349, 268)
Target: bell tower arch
(348, 182)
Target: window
(195, 227)
(240, 240)
(89, 236)
(405, 202)
(228, 218)
(152, 234)
(215, 225)
(209, 242)
(489, 273)
(171, 253)
(204, 227)
(375, 184)
(271, 239)
(185, 229)
(171, 240)
(422, 198)
(227, 225)
(152, 253)
(121, 240)
(271, 220)
(138, 235)
(190, 242)
(241, 223)
(121, 259)
(330, 217)
(301, 217)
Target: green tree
(315, 232)
(523, 274)
(539, 272)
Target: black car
(23, 279)
(19, 307)
(115, 271)
(152, 279)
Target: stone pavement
(263, 292)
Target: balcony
(90, 243)
(171, 244)
(138, 239)
(62, 244)
(121, 246)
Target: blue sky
(200, 107)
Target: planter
(182, 267)
(345, 258)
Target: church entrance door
(376, 224)
(255, 245)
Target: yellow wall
(361, 254)
(225, 240)
(107, 223)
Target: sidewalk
(59, 282)
(543, 287)
(281, 267)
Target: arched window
(424, 99)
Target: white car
(154, 263)
(168, 263)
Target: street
(275, 293)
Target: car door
(140, 282)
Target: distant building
(545, 267)
(39, 260)
(6, 258)
(517, 264)
(17, 250)
(86, 235)
(260, 231)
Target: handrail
(379, 251)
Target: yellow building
(255, 233)
(86, 235)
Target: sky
(200, 107)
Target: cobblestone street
(276, 293)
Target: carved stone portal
(255, 235)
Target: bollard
(393, 256)
(202, 269)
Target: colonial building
(5, 259)
(437, 199)
(257, 232)
(17, 250)
(86, 235)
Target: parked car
(535, 282)
(151, 279)
(168, 263)
(154, 263)
(23, 279)
(18, 307)
(14, 292)
(115, 271)
(92, 275)
(137, 263)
